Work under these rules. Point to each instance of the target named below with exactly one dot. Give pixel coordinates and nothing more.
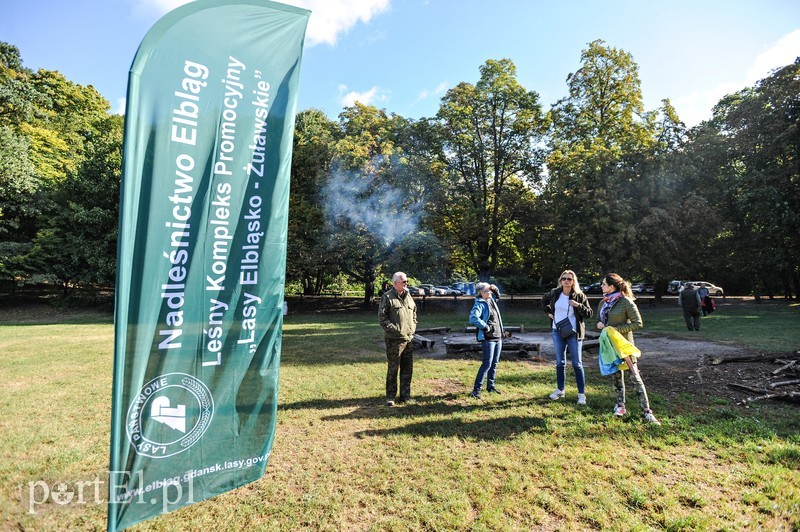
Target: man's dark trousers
(399, 354)
(692, 317)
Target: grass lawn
(342, 461)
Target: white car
(449, 291)
(432, 290)
(713, 289)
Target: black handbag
(565, 328)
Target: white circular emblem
(169, 415)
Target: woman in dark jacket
(568, 301)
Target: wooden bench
(520, 329)
(420, 341)
(522, 348)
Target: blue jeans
(575, 347)
(488, 369)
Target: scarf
(608, 302)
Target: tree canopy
(492, 187)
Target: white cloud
(373, 96)
(120, 109)
(329, 18)
(424, 94)
(158, 7)
(697, 106)
(780, 54)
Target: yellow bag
(622, 346)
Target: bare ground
(670, 366)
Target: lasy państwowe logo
(168, 415)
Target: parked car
(450, 291)
(713, 289)
(643, 288)
(593, 288)
(415, 291)
(675, 287)
(432, 290)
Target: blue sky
(402, 55)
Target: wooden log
(761, 357)
(783, 383)
(434, 330)
(787, 366)
(746, 388)
(793, 397)
(454, 348)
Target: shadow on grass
(420, 405)
(494, 429)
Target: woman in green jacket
(619, 311)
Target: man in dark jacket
(689, 300)
(397, 314)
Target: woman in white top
(568, 301)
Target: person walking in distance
(689, 300)
(397, 314)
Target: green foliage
(60, 159)
(462, 194)
(308, 261)
(489, 133)
(756, 179)
(79, 243)
(599, 141)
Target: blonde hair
(575, 284)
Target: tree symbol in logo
(163, 412)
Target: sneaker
(556, 395)
(494, 390)
(389, 403)
(476, 395)
(403, 400)
(581, 398)
(650, 418)
(620, 411)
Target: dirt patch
(670, 366)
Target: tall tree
(78, 245)
(372, 200)
(308, 258)
(489, 149)
(757, 188)
(49, 128)
(599, 133)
